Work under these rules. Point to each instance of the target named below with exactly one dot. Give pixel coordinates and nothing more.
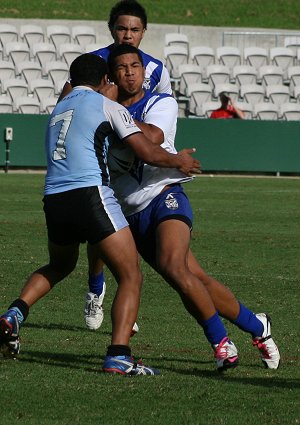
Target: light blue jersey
(77, 143)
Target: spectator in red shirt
(227, 109)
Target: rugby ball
(120, 157)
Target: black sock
(118, 350)
(22, 306)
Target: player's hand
(110, 90)
(189, 165)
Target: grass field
(283, 14)
(246, 233)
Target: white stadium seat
(290, 111)
(44, 52)
(17, 51)
(198, 94)
(266, 111)
(188, 74)
(6, 105)
(175, 56)
(217, 74)
(29, 70)
(270, 74)
(58, 34)
(83, 34)
(41, 88)
(278, 93)
(244, 74)
(7, 70)
(231, 89)
(27, 105)
(256, 56)
(70, 51)
(252, 93)
(229, 56)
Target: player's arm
(122, 122)
(152, 132)
(153, 154)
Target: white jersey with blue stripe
(77, 142)
(156, 77)
(137, 188)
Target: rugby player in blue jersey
(80, 207)
(160, 219)
(127, 24)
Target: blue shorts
(172, 204)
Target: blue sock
(248, 322)
(214, 329)
(19, 315)
(96, 283)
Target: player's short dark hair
(122, 49)
(127, 7)
(87, 69)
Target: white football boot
(269, 352)
(226, 355)
(93, 312)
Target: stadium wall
(222, 145)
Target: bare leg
(119, 253)
(173, 238)
(62, 262)
(222, 297)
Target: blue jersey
(138, 187)
(156, 77)
(77, 140)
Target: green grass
(246, 233)
(283, 14)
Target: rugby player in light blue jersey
(160, 218)
(80, 207)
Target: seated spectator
(227, 109)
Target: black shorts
(86, 214)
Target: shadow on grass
(92, 363)
(60, 327)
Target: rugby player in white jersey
(160, 219)
(80, 207)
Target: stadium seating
(202, 56)
(188, 74)
(175, 56)
(229, 56)
(41, 88)
(198, 94)
(256, 56)
(7, 70)
(177, 39)
(58, 34)
(17, 51)
(6, 105)
(14, 87)
(252, 93)
(266, 111)
(278, 93)
(32, 34)
(290, 111)
(217, 74)
(29, 70)
(270, 74)
(198, 72)
(8, 33)
(244, 74)
(27, 105)
(44, 52)
(83, 34)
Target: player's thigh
(63, 257)
(172, 243)
(118, 251)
